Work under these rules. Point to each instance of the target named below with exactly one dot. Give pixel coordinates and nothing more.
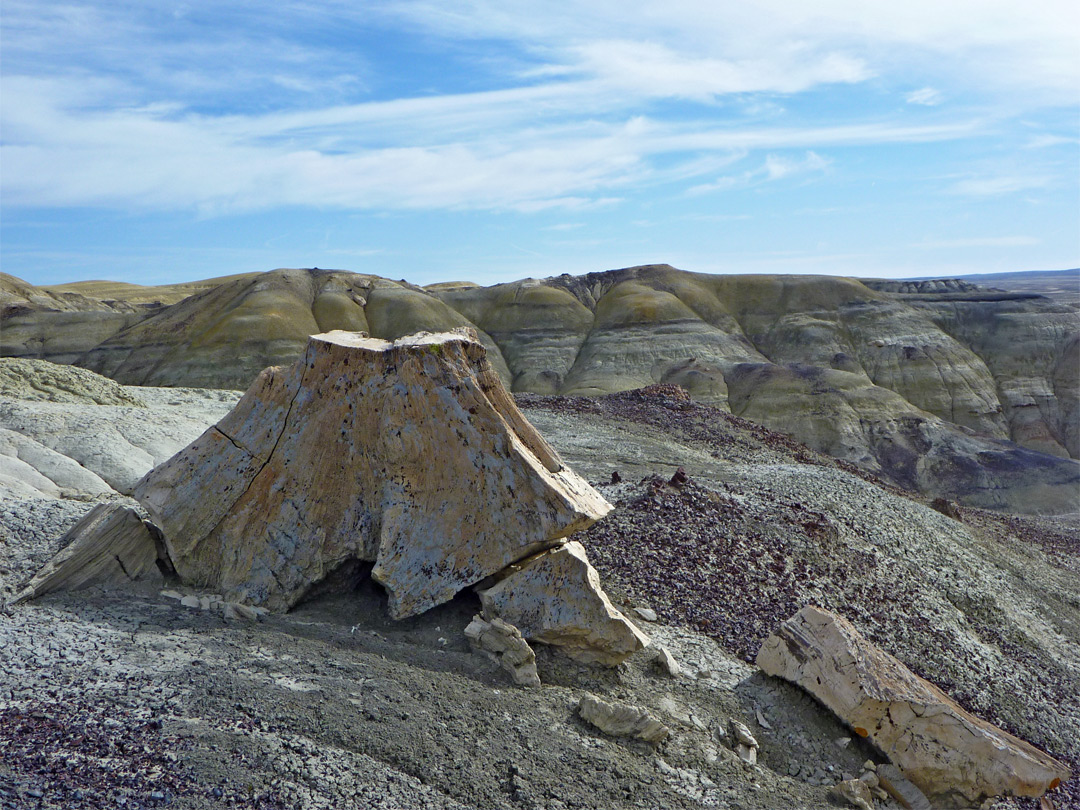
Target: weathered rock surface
(503, 643)
(664, 662)
(111, 445)
(621, 720)
(111, 544)
(30, 469)
(42, 381)
(555, 597)
(408, 454)
(952, 756)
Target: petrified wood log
(953, 757)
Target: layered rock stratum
(945, 388)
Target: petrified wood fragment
(953, 757)
(111, 544)
(555, 598)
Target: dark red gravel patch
(670, 409)
(698, 558)
(90, 757)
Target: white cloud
(656, 70)
(1044, 141)
(775, 167)
(998, 186)
(244, 106)
(927, 97)
(996, 45)
(57, 154)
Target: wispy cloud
(656, 70)
(927, 97)
(986, 43)
(163, 158)
(978, 242)
(998, 186)
(775, 167)
(1046, 141)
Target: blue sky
(490, 140)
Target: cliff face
(944, 387)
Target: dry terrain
(125, 698)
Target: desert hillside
(943, 387)
(721, 530)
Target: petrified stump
(953, 757)
(408, 454)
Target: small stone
(190, 601)
(555, 598)
(204, 602)
(855, 793)
(172, 595)
(869, 765)
(248, 612)
(747, 754)
(664, 662)
(620, 720)
(235, 610)
(761, 720)
(870, 778)
(900, 788)
(741, 735)
(842, 742)
(648, 614)
(502, 642)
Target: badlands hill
(942, 387)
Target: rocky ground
(125, 698)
